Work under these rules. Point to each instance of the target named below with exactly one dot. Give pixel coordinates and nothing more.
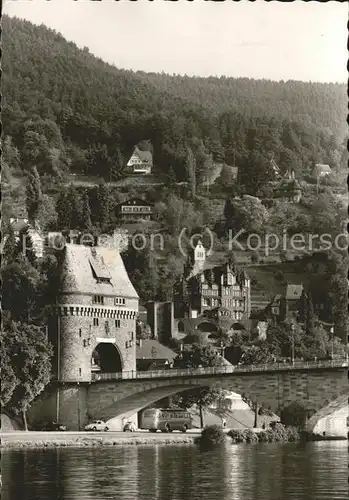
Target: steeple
(196, 260)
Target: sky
(272, 40)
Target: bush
(294, 415)
(276, 434)
(211, 436)
(255, 257)
(243, 436)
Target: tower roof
(94, 270)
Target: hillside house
(287, 304)
(288, 189)
(141, 162)
(20, 225)
(321, 170)
(134, 209)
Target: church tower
(196, 260)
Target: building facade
(288, 189)
(201, 290)
(141, 162)
(135, 209)
(94, 326)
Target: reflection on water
(315, 471)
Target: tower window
(117, 323)
(119, 301)
(84, 343)
(95, 321)
(80, 332)
(79, 372)
(98, 299)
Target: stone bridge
(313, 385)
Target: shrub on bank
(211, 436)
(278, 434)
(243, 436)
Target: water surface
(312, 471)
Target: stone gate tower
(95, 314)
(92, 330)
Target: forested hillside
(319, 105)
(64, 111)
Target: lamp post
(332, 341)
(222, 349)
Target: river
(312, 471)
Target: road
(34, 436)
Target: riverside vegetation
(214, 435)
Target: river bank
(20, 440)
(37, 440)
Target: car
(53, 426)
(129, 427)
(97, 425)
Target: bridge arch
(275, 388)
(106, 358)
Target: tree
(116, 166)
(190, 166)
(194, 357)
(29, 352)
(10, 249)
(294, 415)
(34, 194)
(19, 289)
(250, 214)
(103, 199)
(143, 331)
(86, 212)
(254, 172)
(47, 215)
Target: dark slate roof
(19, 225)
(152, 349)
(136, 201)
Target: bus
(166, 420)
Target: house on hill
(20, 225)
(287, 304)
(321, 170)
(141, 162)
(134, 209)
(288, 189)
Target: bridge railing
(220, 370)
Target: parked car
(129, 427)
(53, 426)
(97, 425)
